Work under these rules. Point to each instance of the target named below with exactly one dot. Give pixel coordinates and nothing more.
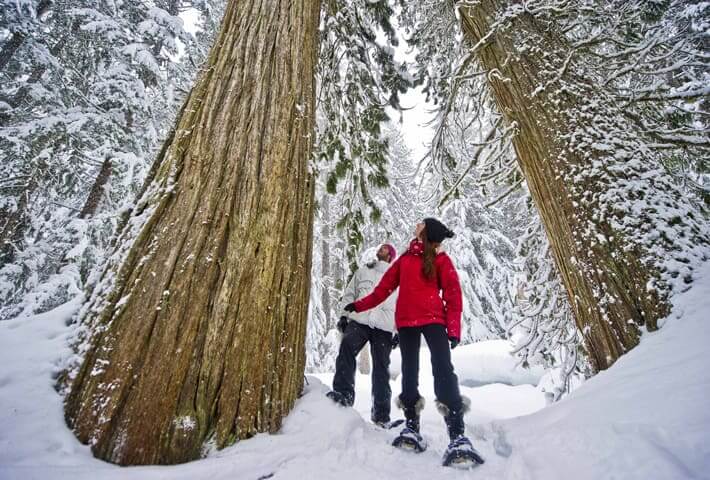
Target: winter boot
(380, 412)
(460, 453)
(409, 438)
(382, 420)
(340, 398)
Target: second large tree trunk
(201, 331)
(599, 190)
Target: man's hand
(350, 307)
(342, 324)
(454, 342)
(395, 341)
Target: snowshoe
(389, 425)
(339, 398)
(410, 440)
(461, 454)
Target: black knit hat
(436, 231)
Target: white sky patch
(417, 134)
(415, 129)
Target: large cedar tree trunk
(601, 194)
(202, 330)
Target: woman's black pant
(446, 384)
(354, 339)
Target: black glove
(395, 340)
(350, 307)
(342, 324)
(454, 342)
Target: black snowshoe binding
(339, 398)
(461, 454)
(410, 440)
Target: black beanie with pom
(436, 231)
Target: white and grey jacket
(362, 283)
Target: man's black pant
(446, 384)
(355, 337)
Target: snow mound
(646, 417)
(491, 361)
(33, 350)
(480, 363)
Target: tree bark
(202, 332)
(597, 189)
(97, 189)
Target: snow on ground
(645, 418)
(481, 363)
(32, 349)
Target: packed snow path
(645, 418)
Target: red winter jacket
(419, 301)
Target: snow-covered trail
(319, 439)
(645, 418)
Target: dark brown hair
(428, 267)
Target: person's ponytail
(428, 267)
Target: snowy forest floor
(645, 418)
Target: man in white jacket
(375, 326)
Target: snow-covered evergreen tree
(358, 79)
(652, 56)
(332, 267)
(85, 106)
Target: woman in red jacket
(429, 304)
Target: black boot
(340, 398)
(409, 438)
(411, 419)
(380, 413)
(411, 412)
(454, 417)
(454, 424)
(460, 452)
